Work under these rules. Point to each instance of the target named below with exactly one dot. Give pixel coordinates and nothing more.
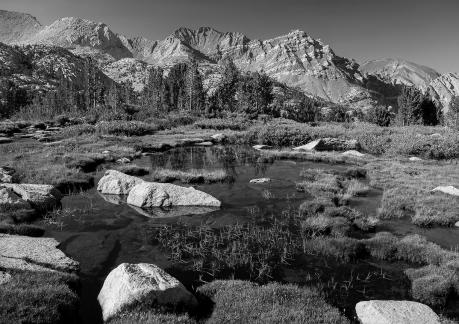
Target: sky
(421, 31)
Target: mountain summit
(16, 26)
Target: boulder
(330, 144)
(450, 190)
(153, 194)
(117, 183)
(204, 144)
(308, 147)
(456, 224)
(10, 201)
(33, 254)
(5, 140)
(261, 180)
(395, 312)
(353, 153)
(7, 175)
(40, 196)
(123, 160)
(218, 138)
(131, 285)
(4, 278)
(262, 147)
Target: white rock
(395, 312)
(106, 152)
(308, 147)
(204, 144)
(415, 159)
(261, 180)
(456, 224)
(353, 153)
(152, 194)
(7, 175)
(218, 137)
(123, 161)
(38, 195)
(450, 190)
(4, 277)
(117, 183)
(141, 284)
(5, 140)
(33, 254)
(11, 201)
(262, 147)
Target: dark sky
(422, 31)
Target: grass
(245, 302)
(22, 229)
(39, 297)
(234, 301)
(237, 124)
(407, 191)
(190, 176)
(125, 128)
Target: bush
(245, 302)
(22, 229)
(237, 124)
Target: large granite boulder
(153, 194)
(117, 183)
(395, 312)
(449, 190)
(330, 144)
(41, 197)
(33, 254)
(10, 201)
(7, 175)
(132, 285)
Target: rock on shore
(330, 144)
(142, 284)
(395, 312)
(152, 194)
(117, 183)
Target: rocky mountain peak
(16, 26)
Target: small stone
(4, 278)
(456, 224)
(262, 147)
(261, 180)
(106, 152)
(353, 153)
(308, 147)
(204, 144)
(218, 138)
(415, 159)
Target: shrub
(22, 229)
(245, 302)
(237, 124)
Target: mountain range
(295, 59)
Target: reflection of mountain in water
(210, 158)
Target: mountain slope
(16, 26)
(82, 37)
(400, 72)
(444, 88)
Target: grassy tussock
(190, 176)
(407, 191)
(38, 297)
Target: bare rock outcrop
(39, 196)
(33, 254)
(143, 284)
(391, 312)
(444, 88)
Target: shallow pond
(103, 231)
